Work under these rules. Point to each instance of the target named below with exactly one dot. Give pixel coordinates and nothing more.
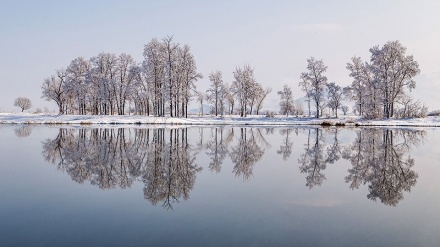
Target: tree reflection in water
(170, 168)
(108, 158)
(217, 147)
(23, 131)
(247, 152)
(286, 146)
(165, 161)
(379, 158)
(314, 161)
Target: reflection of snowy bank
(9, 118)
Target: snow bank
(25, 118)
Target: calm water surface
(224, 186)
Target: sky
(274, 37)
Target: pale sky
(274, 37)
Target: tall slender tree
(215, 90)
(334, 94)
(286, 103)
(314, 82)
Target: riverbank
(26, 118)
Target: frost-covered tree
(394, 71)
(189, 76)
(286, 102)
(77, 83)
(170, 49)
(172, 73)
(123, 84)
(102, 78)
(261, 97)
(154, 65)
(344, 109)
(377, 86)
(200, 99)
(314, 82)
(104, 84)
(215, 91)
(363, 89)
(54, 89)
(23, 102)
(230, 98)
(140, 93)
(334, 95)
(241, 87)
(245, 89)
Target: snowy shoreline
(254, 120)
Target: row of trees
(380, 88)
(165, 82)
(105, 83)
(245, 90)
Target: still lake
(219, 186)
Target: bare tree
(200, 98)
(23, 102)
(54, 89)
(77, 83)
(261, 97)
(363, 87)
(394, 71)
(244, 88)
(334, 94)
(230, 99)
(188, 76)
(377, 86)
(314, 82)
(123, 85)
(154, 66)
(105, 83)
(215, 90)
(286, 102)
(344, 109)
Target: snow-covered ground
(26, 118)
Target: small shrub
(270, 114)
(435, 113)
(326, 123)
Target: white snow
(26, 118)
